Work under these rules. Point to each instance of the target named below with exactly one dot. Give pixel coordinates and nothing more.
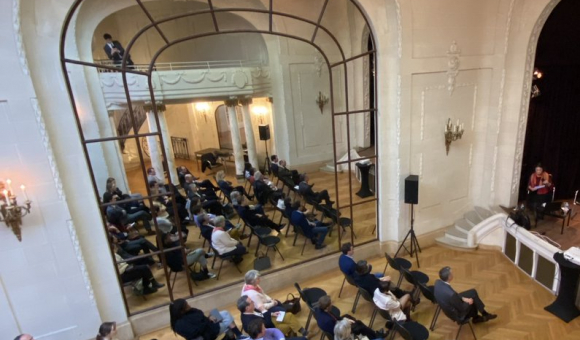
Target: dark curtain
(553, 130)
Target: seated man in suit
(347, 263)
(291, 176)
(274, 164)
(327, 316)
(115, 51)
(464, 305)
(314, 230)
(253, 214)
(306, 191)
(264, 189)
(205, 187)
(249, 313)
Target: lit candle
(24, 192)
(9, 182)
(5, 192)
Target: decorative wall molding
(524, 106)
(470, 154)
(475, 90)
(452, 66)
(493, 169)
(508, 26)
(261, 72)
(116, 80)
(500, 102)
(18, 37)
(422, 114)
(398, 109)
(62, 197)
(399, 30)
(421, 165)
(318, 62)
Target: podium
(564, 307)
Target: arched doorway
(338, 63)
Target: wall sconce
(10, 212)
(202, 108)
(321, 101)
(452, 133)
(260, 111)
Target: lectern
(564, 307)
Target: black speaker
(412, 189)
(264, 132)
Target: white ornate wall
(63, 259)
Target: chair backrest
(327, 335)
(302, 295)
(365, 294)
(452, 315)
(392, 262)
(384, 314)
(408, 276)
(427, 293)
(350, 280)
(405, 334)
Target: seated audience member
(463, 305)
(315, 231)
(248, 171)
(168, 202)
(347, 263)
(174, 258)
(258, 331)
(191, 323)
(265, 190)
(153, 177)
(247, 307)
(211, 203)
(306, 191)
(119, 217)
(369, 282)
(107, 331)
(227, 188)
(285, 174)
(25, 337)
(398, 308)
(130, 272)
(205, 186)
(224, 244)
(343, 330)
(112, 190)
(131, 241)
(274, 165)
(326, 316)
(182, 171)
(208, 223)
(253, 214)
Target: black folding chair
(460, 322)
(410, 330)
(397, 264)
(429, 295)
(310, 296)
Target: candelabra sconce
(321, 101)
(10, 212)
(452, 133)
(203, 109)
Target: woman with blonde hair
(263, 303)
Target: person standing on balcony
(115, 51)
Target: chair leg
(174, 278)
(278, 250)
(249, 240)
(373, 317)
(341, 287)
(458, 331)
(352, 231)
(435, 316)
(304, 246)
(385, 270)
(213, 262)
(355, 302)
(308, 320)
(295, 238)
(220, 270)
(400, 280)
(472, 331)
(258, 247)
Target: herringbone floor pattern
(508, 292)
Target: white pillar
(235, 132)
(173, 178)
(121, 178)
(250, 140)
(154, 150)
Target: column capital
(245, 101)
(232, 101)
(160, 106)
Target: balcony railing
(190, 65)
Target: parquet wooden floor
(364, 221)
(507, 291)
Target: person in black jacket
(115, 50)
(191, 323)
(369, 282)
(306, 191)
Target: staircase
(456, 235)
(126, 123)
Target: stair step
(455, 234)
(472, 217)
(463, 226)
(445, 241)
(483, 212)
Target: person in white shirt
(223, 244)
(384, 299)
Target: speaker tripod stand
(414, 247)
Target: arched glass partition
(309, 81)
